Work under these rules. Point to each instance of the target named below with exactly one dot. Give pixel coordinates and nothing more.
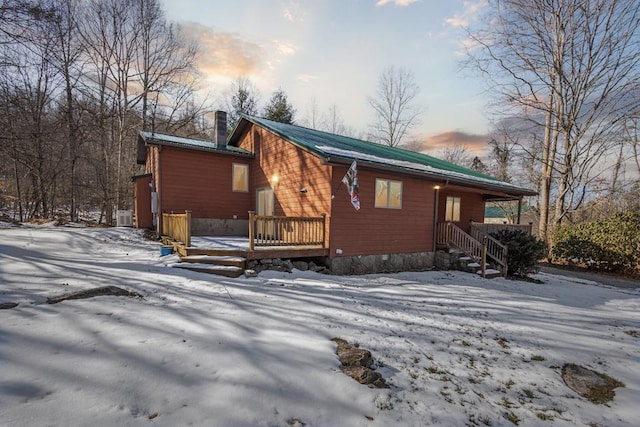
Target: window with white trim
(452, 212)
(388, 194)
(240, 177)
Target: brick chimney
(221, 128)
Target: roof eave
(153, 141)
(438, 178)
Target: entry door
(265, 206)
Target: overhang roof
(152, 138)
(338, 149)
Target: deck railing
(286, 231)
(177, 226)
(451, 235)
(495, 249)
(491, 228)
(476, 245)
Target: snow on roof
(189, 142)
(416, 166)
(325, 145)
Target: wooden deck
(269, 237)
(239, 247)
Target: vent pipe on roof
(220, 127)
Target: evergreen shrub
(611, 244)
(524, 251)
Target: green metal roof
(332, 147)
(190, 143)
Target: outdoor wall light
(303, 190)
(275, 179)
(437, 187)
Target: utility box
(124, 218)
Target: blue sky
(333, 51)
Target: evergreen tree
(279, 109)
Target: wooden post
(506, 264)
(483, 261)
(251, 230)
(519, 209)
(187, 228)
(324, 230)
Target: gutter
(439, 178)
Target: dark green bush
(524, 251)
(612, 244)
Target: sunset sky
(333, 51)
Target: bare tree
(394, 106)
(242, 97)
(458, 154)
(501, 151)
(29, 82)
(66, 54)
(164, 59)
(413, 144)
(78, 79)
(329, 121)
(312, 117)
(569, 66)
(141, 66)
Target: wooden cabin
(267, 178)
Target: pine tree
(279, 109)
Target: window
(240, 177)
(453, 209)
(388, 194)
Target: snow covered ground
(207, 351)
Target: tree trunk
(548, 154)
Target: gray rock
(314, 267)
(301, 265)
(250, 273)
(288, 265)
(356, 363)
(592, 385)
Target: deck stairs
(473, 265)
(468, 251)
(227, 266)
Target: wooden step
(490, 273)
(220, 270)
(233, 261)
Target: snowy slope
(208, 351)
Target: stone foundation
(368, 264)
(219, 227)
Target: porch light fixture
(436, 187)
(275, 179)
(303, 190)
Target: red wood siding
(295, 169)
(377, 231)
(471, 206)
(142, 202)
(201, 182)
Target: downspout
(159, 191)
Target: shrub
(612, 244)
(524, 251)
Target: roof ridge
(328, 146)
(441, 164)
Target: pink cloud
(224, 53)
